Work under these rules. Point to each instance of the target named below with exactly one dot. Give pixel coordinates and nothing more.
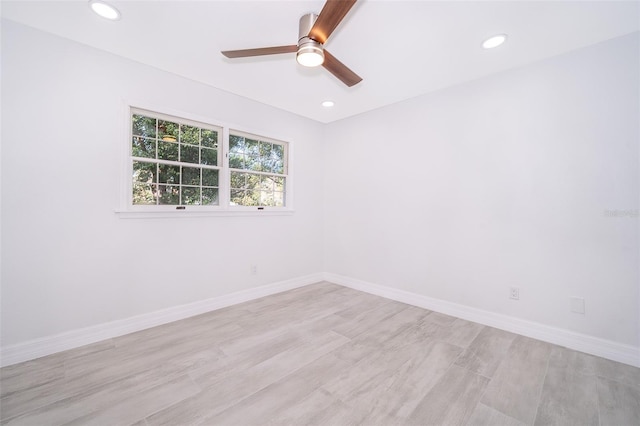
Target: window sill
(147, 214)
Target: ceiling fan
(314, 30)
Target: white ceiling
(401, 49)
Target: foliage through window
(179, 163)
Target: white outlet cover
(577, 305)
(514, 293)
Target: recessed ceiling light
(328, 104)
(494, 41)
(105, 10)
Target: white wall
(504, 181)
(68, 260)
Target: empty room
(320, 212)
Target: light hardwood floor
(324, 355)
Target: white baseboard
(73, 339)
(581, 342)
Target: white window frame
(128, 210)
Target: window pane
(245, 198)
(251, 147)
(190, 195)
(252, 198)
(237, 195)
(266, 183)
(209, 138)
(209, 177)
(190, 176)
(169, 194)
(266, 198)
(253, 182)
(237, 180)
(189, 154)
(167, 151)
(168, 131)
(168, 174)
(209, 196)
(143, 126)
(266, 159)
(252, 163)
(236, 161)
(144, 172)
(277, 152)
(236, 144)
(209, 156)
(278, 199)
(278, 183)
(189, 134)
(265, 149)
(142, 147)
(277, 159)
(144, 194)
(278, 167)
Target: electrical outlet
(514, 293)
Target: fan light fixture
(328, 104)
(105, 10)
(494, 41)
(310, 53)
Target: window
(258, 171)
(180, 164)
(175, 162)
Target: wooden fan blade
(245, 53)
(340, 70)
(331, 15)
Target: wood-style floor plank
(568, 395)
(619, 403)
(320, 355)
(618, 372)
(486, 352)
(452, 400)
(517, 383)
(220, 393)
(270, 402)
(484, 415)
(399, 393)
